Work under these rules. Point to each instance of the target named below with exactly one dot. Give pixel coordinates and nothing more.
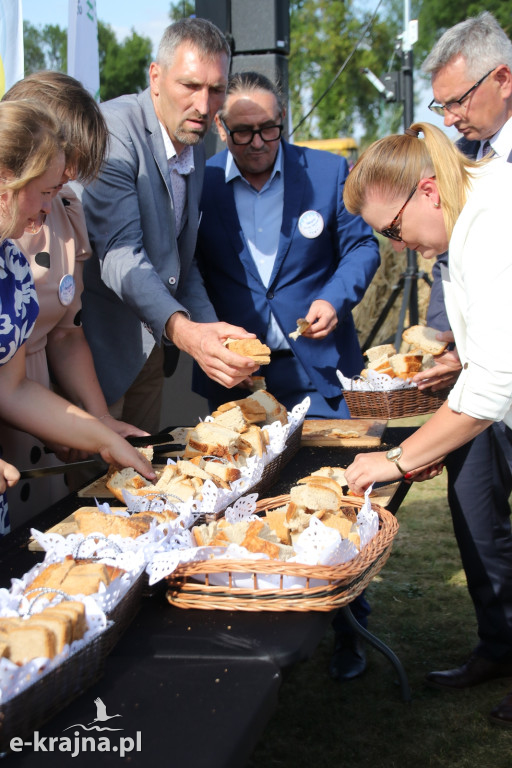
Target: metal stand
(408, 283)
(383, 648)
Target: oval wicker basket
(395, 404)
(340, 584)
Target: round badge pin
(67, 290)
(311, 224)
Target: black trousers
(479, 486)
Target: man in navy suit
(471, 70)
(276, 244)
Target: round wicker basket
(338, 585)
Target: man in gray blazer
(143, 294)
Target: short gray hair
(200, 33)
(479, 40)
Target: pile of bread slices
(421, 355)
(318, 495)
(214, 450)
(44, 634)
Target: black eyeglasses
(394, 230)
(246, 135)
(452, 106)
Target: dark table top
(198, 685)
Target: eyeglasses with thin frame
(394, 230)
(246, 135)
(454, 105)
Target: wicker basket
(342, 582)
(30, 709)
(395, 404)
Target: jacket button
(172, 281)
(270, 295)
(465, 366)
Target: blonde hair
(82, 121)
(30, 139)
(395, 164)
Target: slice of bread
(128, 479)
(424, 338)
(302, 325)
(314, 496)
(29, 642)
(253, 412)
(406, 365)
(382, 349)
(273, 409)
(252, 348)
(329, 482)
(233, 418)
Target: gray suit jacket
(140, 273)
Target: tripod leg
(384, 313)
(405, 303)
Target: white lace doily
(375, 382)
(215, 499)
(15, 679)
(317, 545)
(107, 598)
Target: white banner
(11, 44)
(83, 59)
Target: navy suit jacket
(337, 266)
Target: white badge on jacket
(311, 224)
(67, 290)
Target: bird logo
(101, 717)
(101, 712)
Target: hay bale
(368, 310)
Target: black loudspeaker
(260, 26)
(272, 65)
(218, 11)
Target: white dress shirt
(501, 142)
(478, 294)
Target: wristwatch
(393, 455)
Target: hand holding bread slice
(424, 347)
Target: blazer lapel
(293, 194)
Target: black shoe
(349, 658)
(475, 671)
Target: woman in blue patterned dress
(31, 167)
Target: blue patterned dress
(18, 312)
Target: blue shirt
(260, 213)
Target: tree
(182, 9)
(436, 16)
(323, 35)
(123, 66)
(45, 47)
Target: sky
(146, 17)
(149, 18)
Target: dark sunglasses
(440, 109)
(394, 230)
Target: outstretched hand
(205, 343)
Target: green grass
(422, 610)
